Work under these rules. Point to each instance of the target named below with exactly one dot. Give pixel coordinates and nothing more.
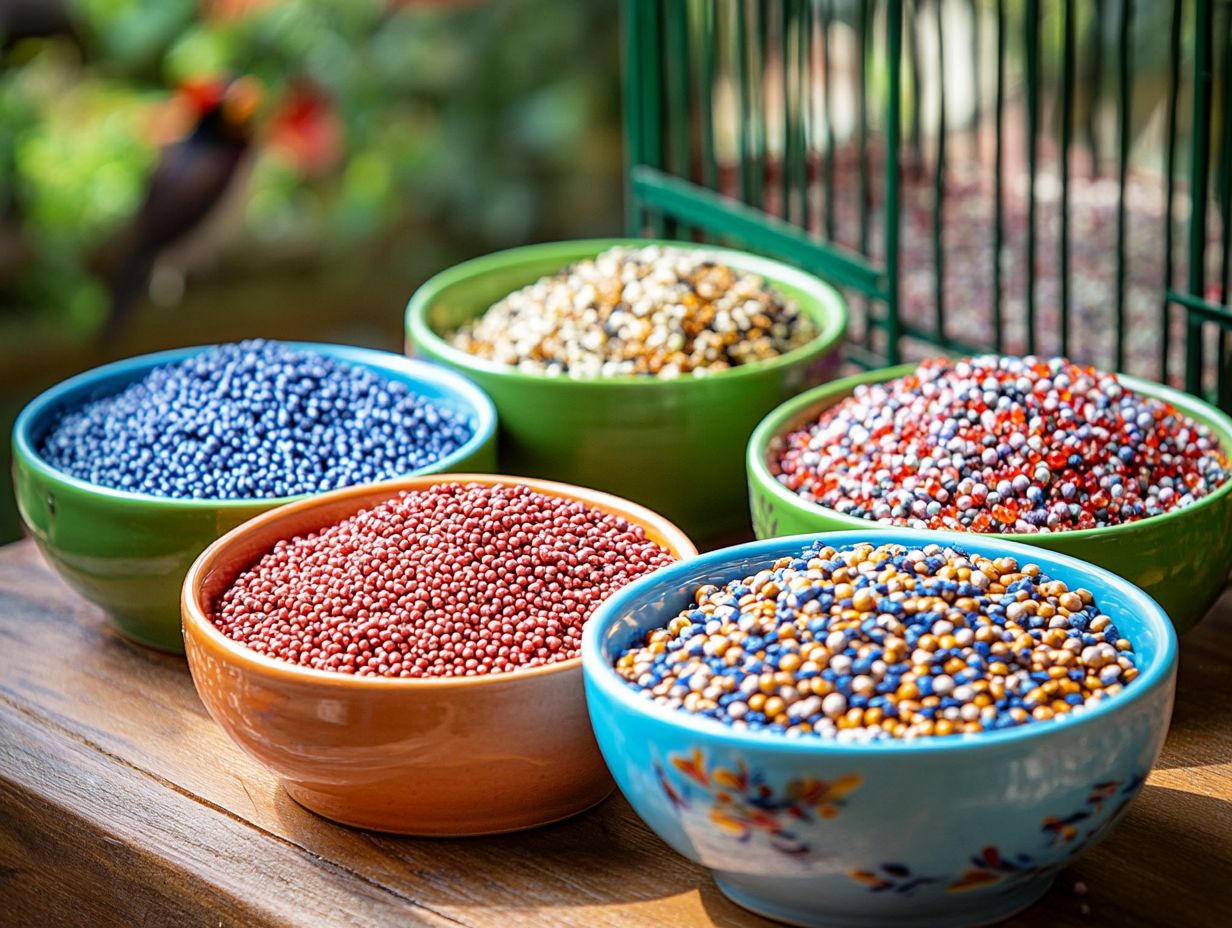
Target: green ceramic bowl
(128, 552)
(675, 446)
(1181, 558)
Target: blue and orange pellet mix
(1001, 444)
(253, 420)
(868, 643)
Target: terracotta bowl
(428, 757)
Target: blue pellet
(253, 420)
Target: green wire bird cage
(1007, 175)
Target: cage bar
(939, 170)
(1066, 133)
(1124, 102)
(1174, 86)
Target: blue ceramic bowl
(128, 552)
(953, 831)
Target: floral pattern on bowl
(742, 804)
(989, 866)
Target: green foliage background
(488, 124)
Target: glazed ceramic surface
(1180, 558)
(431, 757)
(128, 552)
(673, 445)
(937, 832)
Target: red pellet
(454, 580)
(1002, 444)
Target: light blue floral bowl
(963, 830)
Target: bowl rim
(372, 359)
(197, 626)
(830, 313)
(602, 675)
(777, 424)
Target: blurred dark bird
(35, 19)
(196, 181)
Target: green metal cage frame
(674, 177)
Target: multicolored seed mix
(867, 643)
(657, 311)
(253, 420)
(455, 580)
(999, 444)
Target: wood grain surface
(121, 803)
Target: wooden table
(121, 803)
